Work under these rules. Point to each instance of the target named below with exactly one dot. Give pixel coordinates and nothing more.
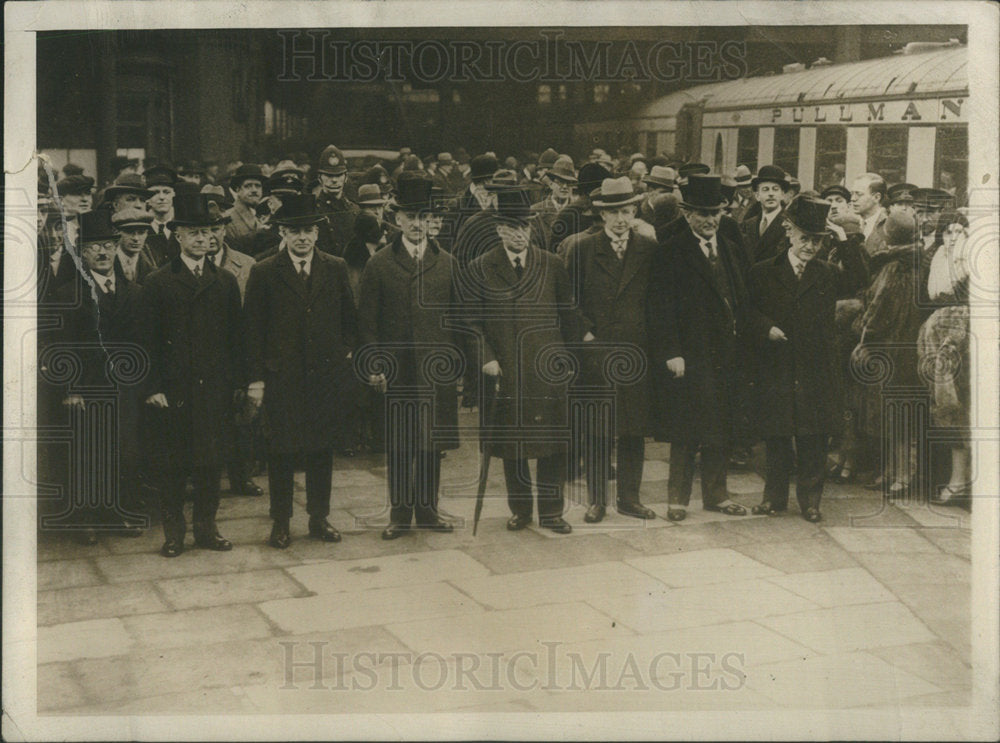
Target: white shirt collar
(796, 261)
(418, 247)
(297, 260)
(191, 263)
(615, 238)
(511, 255)
(218, 256)
(707, 244)
(102, 282)
(766, 218)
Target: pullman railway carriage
(904, 117)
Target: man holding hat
(160, 180)
(763, 233)
(561, 179)
(698, 309)
(247, 184)
(797, 371)
(301, 329)
(333, 203)
(522, 304)
(407, 296)
(192, 330)
(133, 260)
(610, 272)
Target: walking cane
(486, 447)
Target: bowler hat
(160, 175)
(661, 176)
(809, 214)
(702, 192)
(482, 167)
(127, 183)
(75, 185)
(742, 176)
(900, 193)
(246, 172)
(285, 183)
(514, 205)
(132, 216)
(96, 225)
(773, 174)
(502, 179)
(616, 192)
(835, 191)
(562, 169)
(332, 161)
(413, 192)
(548, 157)
(370, 194)
(591, 176)
(298, 210)
(192, 210)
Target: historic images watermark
(322, 55)
(317, 666)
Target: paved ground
(871, 608)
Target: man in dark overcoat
(609, 272)
(525, 310)
(798, 371)
(698, 305)
(332, 201)
(134, 260)
(301, 329)
(407, 294)
(192, 331)
(763, 233)
(160, 180)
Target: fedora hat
(702, 192)
(773, 174)
(616, 192)
(502, 179)
(192, 210)
(514, 205)
(132, 216)
(809, 214)
(217, 194)
(662, 176)
(835, 191)
(332, 161)
(246, 172)
(160, 175)
(413, 192)
(370, 194)
(562, 169)
(96, 226)
(482, 167)
(742, 176)
(127, 183)
(298, 210)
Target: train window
(951, 162)
(786, 149)
(601, 92)
(887, 152)
(747, 143)
(831, 156)
(718, 154)
(544, 94)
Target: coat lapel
(501, 265)
(403, 257)
(810, 275)
(289, 275)
(785, 273)
(691, 249)
(605, 256)
(633, 261)
(183, 275)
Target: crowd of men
(279, 314)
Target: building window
(601, 91)
(456, 97)
(562, 92)
(786, 149)
(887, 152)
(268, 118)
(747, 142)
(951, 161)
(544, 94)
(831, 156)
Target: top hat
(96, 226)
(616, 192)
(771, 173)
(75, 185)
(591, 176)
(562, 169)
(286, 182)
(160, 175)
(661, 176)
(835, 191)
(742, 176)
(413, 192)
(514, 205)
(246, 172)
(370, 194)
(900, 193)
(298, 210)
(127, 183)
(502, 179)
(72, 169)
(548, 157)
(809, 214)
(132, 216)
(482, 167)
(331, 161)
(702, 192)
(192, 210)
(932, 198)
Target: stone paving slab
(382, 572)
(836, 682)
(93, 638)
(527, 552)
(67, 574)
(787, 527)
(836, 587)
(845, 629)
(95, 602)
(813, 554)
(934, 662)
(931, 569)
(231, 588)
(893, 541)
(702, 566)
(210, 701)
(957, 542)
(553, 586)
(125, 568)
(362, 608)
(931, 516)
(681, 538)
(197, 626)
(63, 546)
(58, 688)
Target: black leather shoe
(635, 510)
(395, 531)
(518, 522)
(320, 528)
(812, 515)
(440, 525)
(595, 514)
(677, 514)
(280, 537)
(764, 508)
(213, 541)
(558, 525)
(171, 548)
(247, 487)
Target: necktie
(799, 268)
(302, 271)
(159, 229)
(197, 271)
(416, 254)
(518, 268)
(710, 250)
(108, 288)
(619, 248)
(763, 225)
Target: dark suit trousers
(280, 480)
(206, 501)
(414, 477)
(551, 476)
(631, 453)
(714, 460)
(811, 471)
